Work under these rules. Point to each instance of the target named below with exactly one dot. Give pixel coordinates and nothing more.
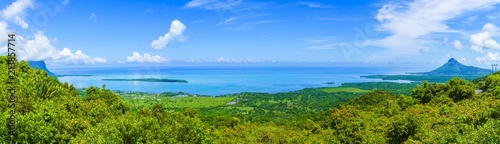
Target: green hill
(48, 111)
(455, 68)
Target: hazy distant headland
(41, 65)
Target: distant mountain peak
(453, 60)
(455, 68)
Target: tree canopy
(49, 111)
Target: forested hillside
(49, 111)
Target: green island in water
(149, 80)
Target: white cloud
(235, 15)
(324, 46)
(93, 17)
(3, 36)
(494, 16)
(38, 48)
(234, 19)
(65, 2)
(214, 4)
(489, 57)
(341, 18)
(197, 3)
(313, 4)
(3, 31)
(484, 39)
(149, 10)
(322, 43)
(146, 58)
(16, 8)
(41, 48)
(65, 56)
(457, 45)
(410, 23)
(16, 12)
(175, 32)
(464, 61)
(21, 23)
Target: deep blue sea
(225, 80)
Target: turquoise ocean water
(225, 80)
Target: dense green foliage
(345, 89)
(396, 88)
(435, 113)
(49, 111)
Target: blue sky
(122, 32)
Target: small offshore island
(149, 80)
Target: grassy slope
(345, 89)
(138, 102)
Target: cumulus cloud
(174, 33)
(146, 58)
(38, 48)
(3, 35)
(16, 12)
(41, 48)
(410, 23)
(457, 45)
(3, 31)
(21, 23)
(489, 57)
(484, 39)
(17, 8)
(214, 4)
(65, 56)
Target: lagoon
(225, 79)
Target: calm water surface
(225, 80)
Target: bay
(225, 80)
